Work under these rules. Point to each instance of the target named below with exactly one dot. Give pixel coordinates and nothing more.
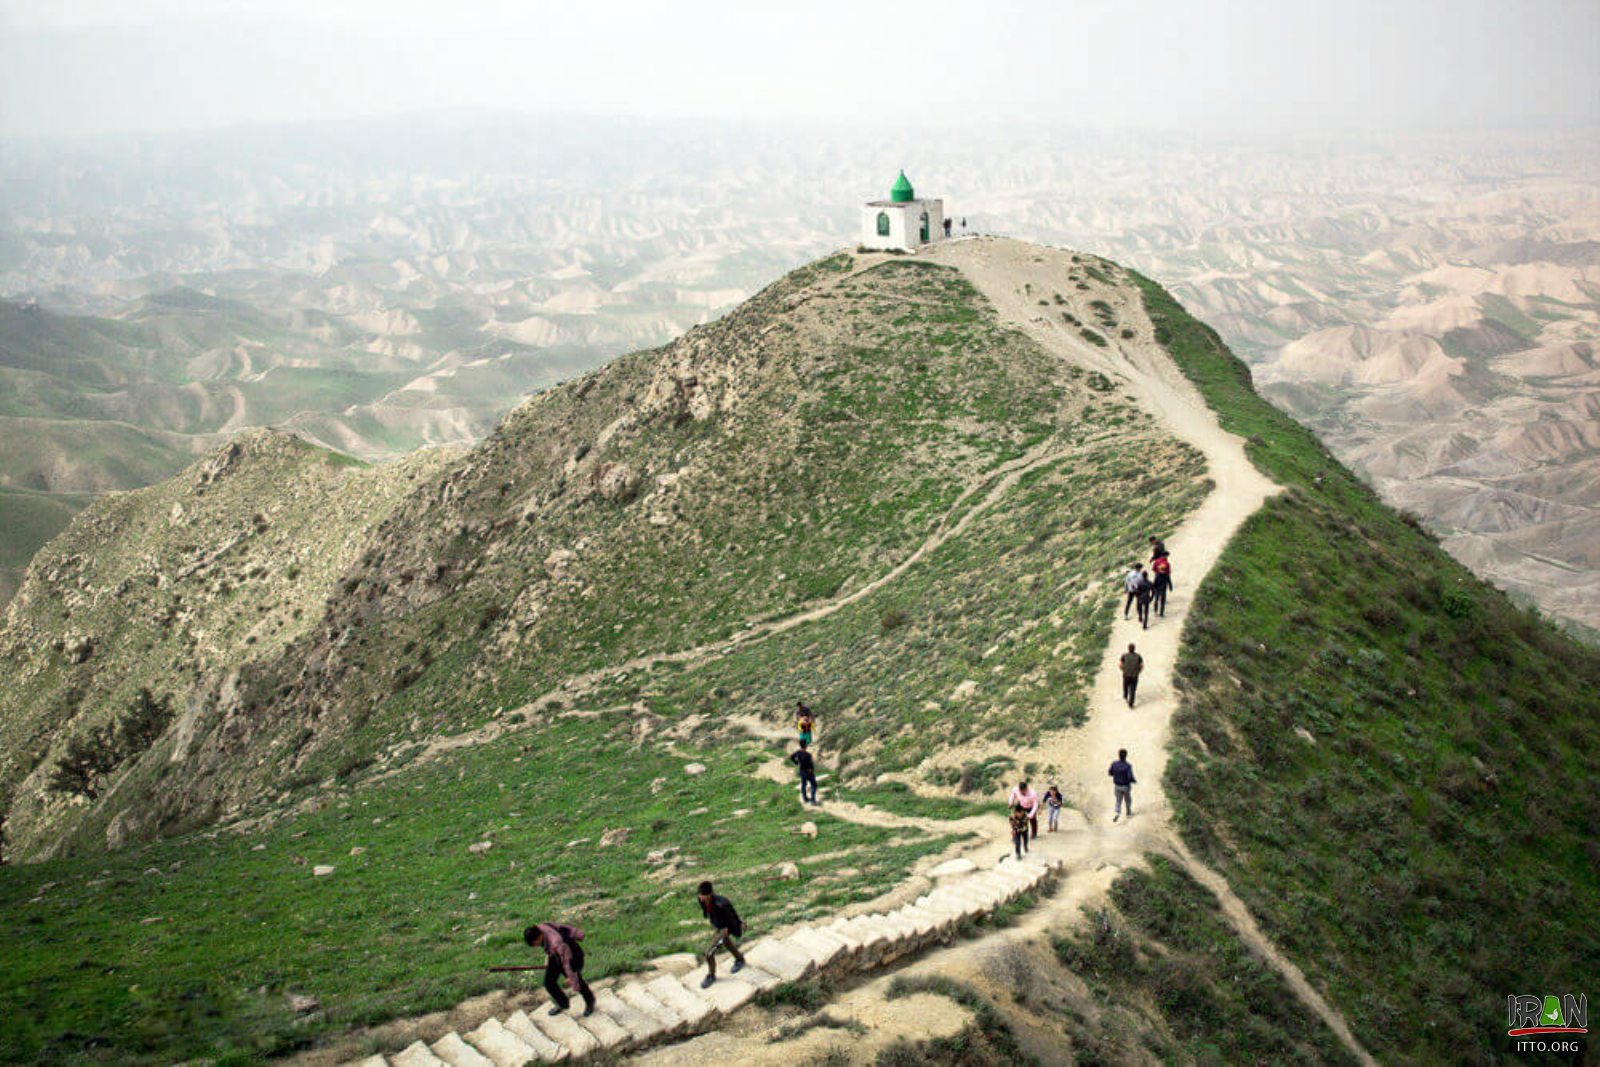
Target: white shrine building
(902, 221)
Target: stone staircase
(634, 1013)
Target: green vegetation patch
(1163, 945)
(998, 633)
(189, 948)
(1392, 764)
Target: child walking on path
(1052, 806)
(1019, 830)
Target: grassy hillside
(788, 455)
(30, 519)
(1393, 765)
(189, 948)
(1169, 978)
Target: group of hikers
(562, 943)
(563, 949)
(1147, 588)
(1025, 803)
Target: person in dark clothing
(563, 955)
(1130, 585)
(1019, 829)
(1158, 549)
(1162, 584)
(1144, 594)
(729, 928)
(1132, 663)
(808, 774)
(1122, 781)
(947, 223)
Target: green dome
(901, 193)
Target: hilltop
(903, 489)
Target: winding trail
(993, 485)
(1016, 278)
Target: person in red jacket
(563, 955)
(1162, 567)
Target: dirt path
(993, 485)
(1016, 277)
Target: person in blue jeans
(801, 758)
(1122, 781)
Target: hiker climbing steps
(635, 1012)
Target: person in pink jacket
(1029, 802)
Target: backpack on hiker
(725, 907)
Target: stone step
(549, 1051)
(752, 974)
(606, 1030)
(925, 921)
(952, 903)
(564, 1030)
(776, 957)
(641, 1027)
(636, 995)
(416, 1054)
(727, 995)
(501, 1045)
(969, 892)
(371, 1061)
(820, 947)
(695, 1009)
(953, 868)
(853, 945)
(457, 1053)
(873, 934)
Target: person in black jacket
(808, 774)
(729, 928)
(1144, 594)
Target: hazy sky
(78, 66)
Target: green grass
(409, 925)
(1436, 822)
(1163, 945)
(1021, 603)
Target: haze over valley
(1427, 304)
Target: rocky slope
(171, 589)
(784, 455)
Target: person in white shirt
(1130, 583)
